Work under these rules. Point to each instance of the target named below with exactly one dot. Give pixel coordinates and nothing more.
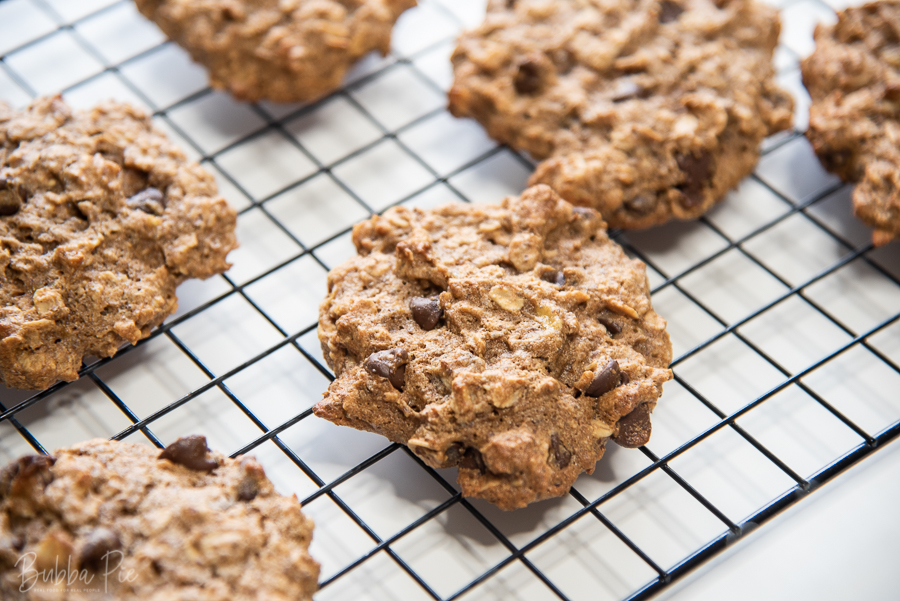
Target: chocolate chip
(94, 555)
(150, 201)
(640, 204)
(669, 11)
(191, 452)
(426, 312)
(247, 489)
(472, 460)
(133, 181)
(625, 90)
(554, 277)
(529, 75)
(697, 172)
(604, 380)
(836, 160)
(454, 453)
(398, 378)
(10, 198)
(19, 474)
(561, 454)
(634, 428)
(31, 465)
(612, 327)
(390, 364)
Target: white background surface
(303, 175)
(841, 543)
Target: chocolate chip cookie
(280, 50)
(512, 341)
(117, 520)
(645, 110)
(101, 217)
(853, 78)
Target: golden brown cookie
(101, 217)
(117, 520)
(853, 78)
(513, 341)
(645, 110)
(280, 50)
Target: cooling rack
(785, 322)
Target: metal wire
(734, 531)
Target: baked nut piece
(117, 520)
(645, 110)
(512, 341)
(853, 78)
(281, 50)
(101, 217)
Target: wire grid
(783, 317)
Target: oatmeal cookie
(645, 110)
(853, 78)
(512, 341)
(124, 521)
(280, 50)
(101, 217)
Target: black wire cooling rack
(780, 272)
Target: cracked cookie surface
(184, 524)
(645, 110)
(853, 78)
(512, 341)
(280, 50)
(101, 217)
